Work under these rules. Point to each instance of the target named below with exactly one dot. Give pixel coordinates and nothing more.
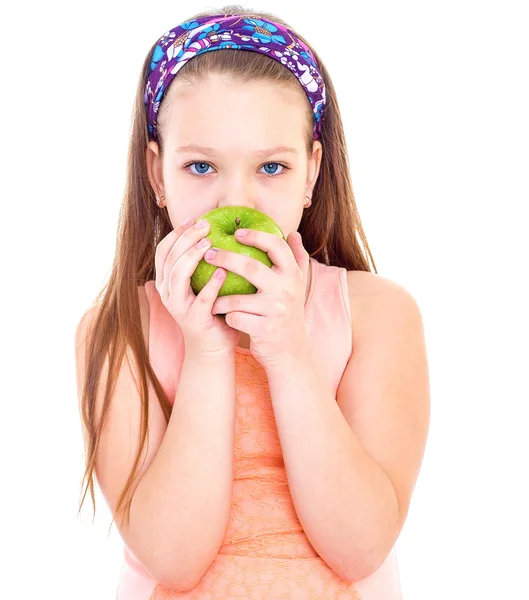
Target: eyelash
(196, 162)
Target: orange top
(265, 553)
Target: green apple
(224, 222)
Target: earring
(156, 229)
(308, 203)
(157, 221)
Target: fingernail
(210, 253)
(241, 232)
(202, 223)
(187, 222)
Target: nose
(237, 191)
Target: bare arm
(180, 509)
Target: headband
(220, 32)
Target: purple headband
(219, 32)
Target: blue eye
(202, 168)
(202, 165)
(272, 163)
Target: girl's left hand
(273, 317)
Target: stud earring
(159, 200)
(308, 203)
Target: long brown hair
(330, 229)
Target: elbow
(372, 558)
(181, 577)
(350, 570)
(361, 566)
(175, 577)
(364, 567)
(355, 573)
(175, 583)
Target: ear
(314, 166)
(154, 167)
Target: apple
(224, 222)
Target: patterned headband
(238, 32)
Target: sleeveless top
(265, 553)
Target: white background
(434, 99)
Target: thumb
(300, 254)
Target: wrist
(287, 365)
(208, 356)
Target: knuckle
(202, 299)
(173, 282)
(204, 247)
(234, 303)
(287, 296)
(250, 267)
(279, 307)
(171, 253)
(227, 304)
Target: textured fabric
(239, 32)
(265, 553)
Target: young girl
(263, 445)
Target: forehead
(220, 106)
(214, 83)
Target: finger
(205, 298)
(253, 270)
(162, 251)
(184, 267)
(190, 236)
(250, 324)
(248, 303)
(275, 246)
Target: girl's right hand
(176, 259)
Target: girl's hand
(274, 317)
(176, 259)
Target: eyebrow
(213, 151)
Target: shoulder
(373, 297)
(365, 284)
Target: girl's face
(239, 124)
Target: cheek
(287, 219)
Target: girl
(243, 448)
